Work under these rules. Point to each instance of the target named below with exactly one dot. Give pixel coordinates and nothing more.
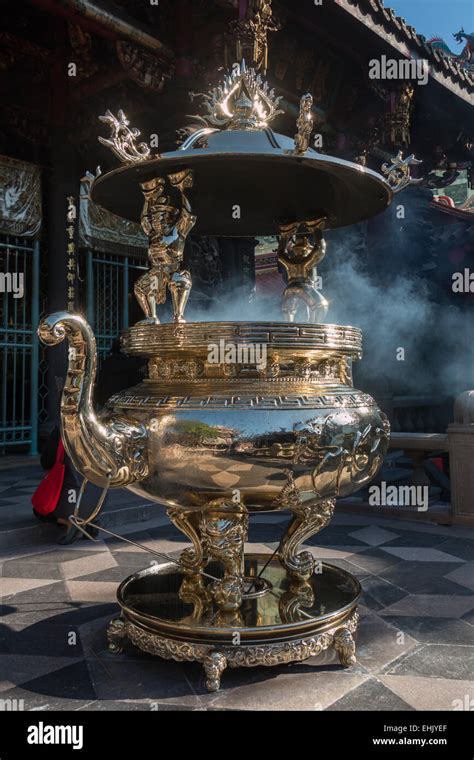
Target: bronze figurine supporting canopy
(279, 426)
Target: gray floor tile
(423, 577)
(431, 605)
(117, 677)
(432, 693)
(374, 535)
(436, 661)
(378, 593)
(419, 554)
(374, 560)
(464, 575)
(16, 568)
(379, 643)
(371, 695)
(299, 686)
(29, 607)
(63, 688)
(412, 538)
(434, 630)
(41, 639)
(459, 548)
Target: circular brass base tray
(171, 615)
(165, 601)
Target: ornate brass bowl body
(286, 430)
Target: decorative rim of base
(241, 655)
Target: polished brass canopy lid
(239, 162)
(260, 173)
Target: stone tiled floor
(415, 642)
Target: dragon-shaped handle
(104, 449)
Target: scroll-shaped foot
(344, 645)
(116, 636)
(214, 665)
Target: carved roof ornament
(397, 121)
(398, 172)
(242, 101)
(465, 58)
(143, 67)
(251, 34)
(122, 139)
(81, 44)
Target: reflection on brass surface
(283, 606)
(193, 591)
(298, 598)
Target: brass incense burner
(233, 418)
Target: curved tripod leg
(192, 559)
(307, 520)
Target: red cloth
(46, 496)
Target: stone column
(461, 459)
